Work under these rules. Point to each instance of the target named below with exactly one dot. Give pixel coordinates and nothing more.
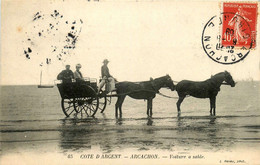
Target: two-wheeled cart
(81, 98)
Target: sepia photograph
(129, 82)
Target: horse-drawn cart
(81, 97)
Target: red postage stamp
(228, 37)
(239, 25)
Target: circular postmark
(226, 38)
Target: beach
(32, 122)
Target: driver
(107, 78)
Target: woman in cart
(77, 74)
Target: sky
(140, 39)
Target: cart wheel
(88, 105)
(68, 106)
(102, 104)
(78, 103)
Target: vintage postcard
(129, 82)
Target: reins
(170, 97)
(135, 91)
(143, 90)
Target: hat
(67, 65)
(78, 66)
(105, 61)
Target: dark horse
(141, 90)
(204, 89)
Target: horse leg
(120, 106)
(117, 106)
(181, 98)
(211, 105)
(119, 102)
(147, 107)
(150, 107)
(214, 106)
(149, 104)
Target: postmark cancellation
(228, 37)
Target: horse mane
(214, 80)
(161, 78)
(217, 75)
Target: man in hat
(77, 74)
(106, 78)
(66, 75)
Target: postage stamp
(239, 25)
(227, 38)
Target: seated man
(66, 75)
(77, 74)
(106, 78)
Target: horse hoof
(179, 115)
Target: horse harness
(153, 86)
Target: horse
(203, 89)
(141, 90)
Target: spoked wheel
(68, 106)
(88, 105)
(102, 104)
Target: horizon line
(55, 84)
